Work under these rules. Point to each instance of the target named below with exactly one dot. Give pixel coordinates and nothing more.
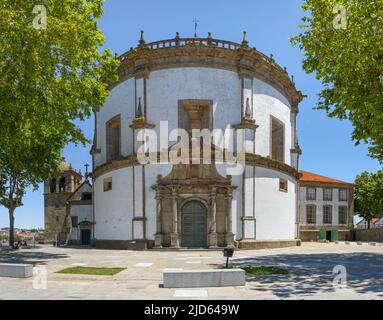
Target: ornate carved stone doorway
(194, 225)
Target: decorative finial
(285, 68)
(245, 43)
(142, 40)
(209, 36)
(271, 56)
(86, 171)
(195, 27)
(177, 35)
(139, 109)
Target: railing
(179, 42)
(209, 42)
(193, 41)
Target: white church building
(196, 84)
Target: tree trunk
(368, 224)
(11, 227)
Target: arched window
(52, 186)
(113, 138)
(62, 185)
(277, 140)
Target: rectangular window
(311, 194)
(311, 214)
(283, 185)
(86, 196)
(342, 194)
(108, 184)
(74, 221)
(327, 214)
(277, 140)
(343, 214)
(113, 138)
(327, 194)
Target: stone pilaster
(229, 222)
(175, 236)
(158, 235)
(213, 222)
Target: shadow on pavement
(313, 273)
(29, 256)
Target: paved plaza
(311, 273)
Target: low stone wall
(267, 244)
(204, 278)
(16, 270)
(123, 244)
(374, 235)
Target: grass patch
(260, 270)
(92, 271)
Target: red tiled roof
(374, 220)
(312, 177)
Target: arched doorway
(194, 225)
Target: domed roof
(65, 166)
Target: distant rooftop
(313, 177)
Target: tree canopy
(343, 45)
(52, 72)
(369, 195)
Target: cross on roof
(195, 27)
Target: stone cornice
(251, 159)
(210, 53)
(315, 184)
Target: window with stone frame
(74, 221)
(113, 138)
(327, 194)
(343, 213)
(327, 214)
(311, 214)
(62, 184)
(277, 140)
(53, 186)
(108, 184)
(283, 185)
(311, 193)
(342, 194)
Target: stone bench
(16, 270)
(204, 278)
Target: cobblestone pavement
(311, 273)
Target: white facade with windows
(326, 205)
(198, 85)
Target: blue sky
(326, 143)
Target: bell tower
(56, 192)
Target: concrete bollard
(16, 270)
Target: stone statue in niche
(248, 110)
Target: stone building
(197, 83)
(67, 198)
(326, 208)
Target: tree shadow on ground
(313, 273)
(29, 256)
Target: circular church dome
(214, 86)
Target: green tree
(343, 45)
(52, 72)
(369, 195)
